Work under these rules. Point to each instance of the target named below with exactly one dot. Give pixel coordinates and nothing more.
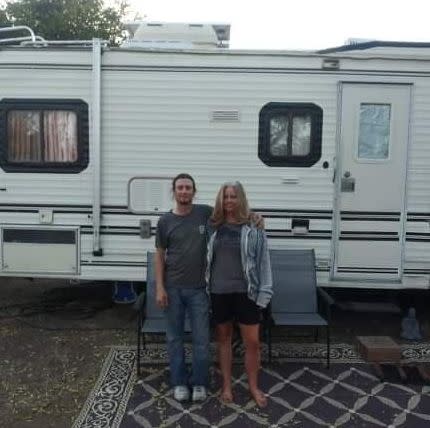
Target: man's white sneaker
(199, 393)
(181, 393)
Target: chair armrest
(267, 319)
(139, 304)
(324, 295)
(326, 301)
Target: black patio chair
(297, 301)
(150, 317)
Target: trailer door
(371, 175)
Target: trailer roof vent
(225, 116)
(175, 35)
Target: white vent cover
(225, 116)
(149, 194)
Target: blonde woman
(240, 282)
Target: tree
(4, 22)
(69, 19)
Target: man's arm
(160, 291)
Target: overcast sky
(295, 24)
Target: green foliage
(4, 21)
(68, 19)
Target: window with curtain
(44, 136)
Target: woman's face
(230, 200)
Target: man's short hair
(186, 176)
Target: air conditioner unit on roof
(178, 35)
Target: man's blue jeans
(193, 302)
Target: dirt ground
(54, 336)
(53, 339)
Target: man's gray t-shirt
(184, 239)
(227, 272)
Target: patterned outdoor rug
(302, 392)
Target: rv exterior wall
(156, 120)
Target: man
(180, 287)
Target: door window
(374, 131)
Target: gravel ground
(55, 335)
(53, 339)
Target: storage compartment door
(39, 251)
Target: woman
(240, 281)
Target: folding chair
(296, 295)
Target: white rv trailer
(333, 148)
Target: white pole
(95, 143)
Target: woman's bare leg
(251, 341)
(224, 333)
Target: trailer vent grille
(225, 116)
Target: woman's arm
(265, 290)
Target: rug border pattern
(91, 416)
(124, 384)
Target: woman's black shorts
(234, 307)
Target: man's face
(184, 191)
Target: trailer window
(44, 136)
(374, 131)
(290, 134)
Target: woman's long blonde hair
(242, 215)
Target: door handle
(347, 183)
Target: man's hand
(161, 297)
(257, 220)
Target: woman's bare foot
(226, 396)
(259, 398)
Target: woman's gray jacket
(255, 262)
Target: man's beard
(184, 202)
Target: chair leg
(328, 345)
(138, 347)
(269, 342)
